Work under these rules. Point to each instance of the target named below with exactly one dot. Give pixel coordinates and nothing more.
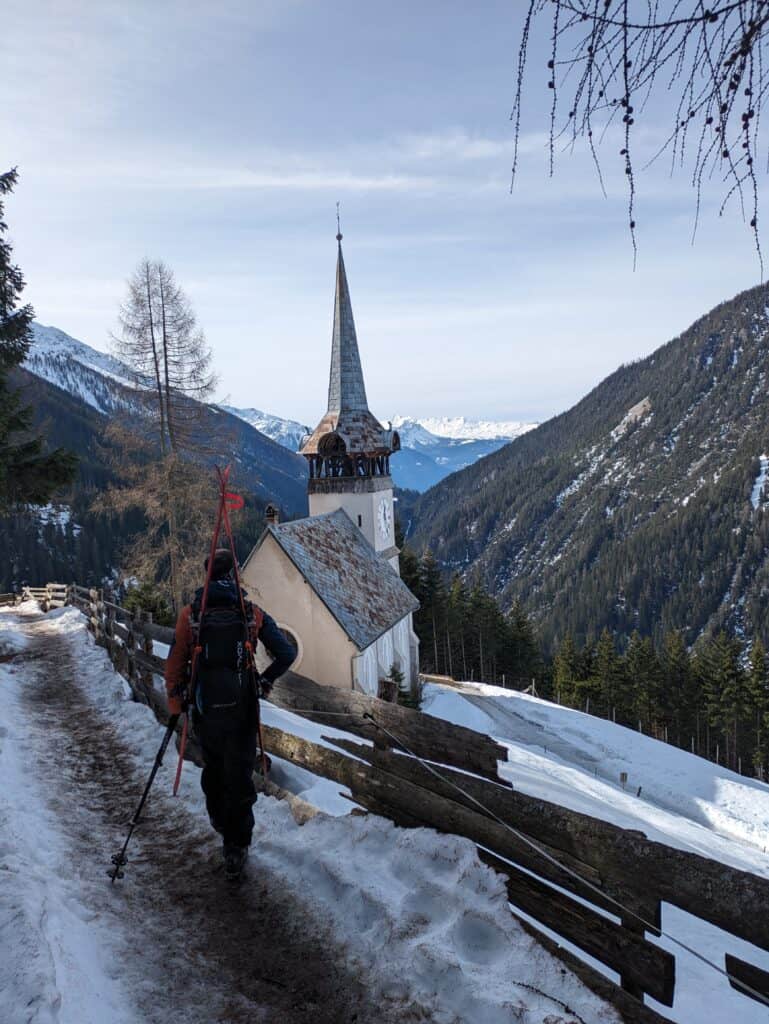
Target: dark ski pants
(229, 757)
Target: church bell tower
(349, 451)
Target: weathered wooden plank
(446, 815)
(151, 662)
(646, 966)
(122, 614)
(506, 805)
(426, 736)
(124, 632)
(748, 974)
(315, 758)
(165, 634)
(627, 862)
(630, 1010)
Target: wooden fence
(384, 772)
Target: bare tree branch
(612, 58)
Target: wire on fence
(736, 982)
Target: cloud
(454, 145)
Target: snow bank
(428, 911)
(55, 964)
(575, 759)
(12, 638)
(760, 481)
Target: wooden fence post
(130, 649)
(100, 615)
(146, 673)
(109, 634)
(92, 596)
(630, 985)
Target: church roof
(362, 591)
(348, 413)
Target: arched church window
(332, 445)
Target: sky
(219, 138)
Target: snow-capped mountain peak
(289, 433)
(98, 378)
(413, 434)
(51, 344)
(461, 428)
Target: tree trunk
(155, 359)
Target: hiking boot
(234, 861)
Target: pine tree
(676, 697)
(644, 679)
(734, 700)
(608, 671)
(28, 474)
(523, 661)
(432, 596)
(565, 672)
(758, 690)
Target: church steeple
(348, 453)
(346, 388)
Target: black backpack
(224, 684)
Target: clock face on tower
(384, 518)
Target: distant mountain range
(644, 506)
(263, 445)
(431, 448)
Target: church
(332, 581)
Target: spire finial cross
(338, 226)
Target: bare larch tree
(612, 58)
(161, 343)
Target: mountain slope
(642, 506)
(288, 433)
(263, 467)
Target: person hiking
(224, 697)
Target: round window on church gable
(291, 636)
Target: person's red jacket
(178, 660)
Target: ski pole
(182, 748)
(119, 859)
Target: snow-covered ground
(760, 481)
(452, 951)
(575, 760)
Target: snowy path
(186, 944)
(347, 919)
